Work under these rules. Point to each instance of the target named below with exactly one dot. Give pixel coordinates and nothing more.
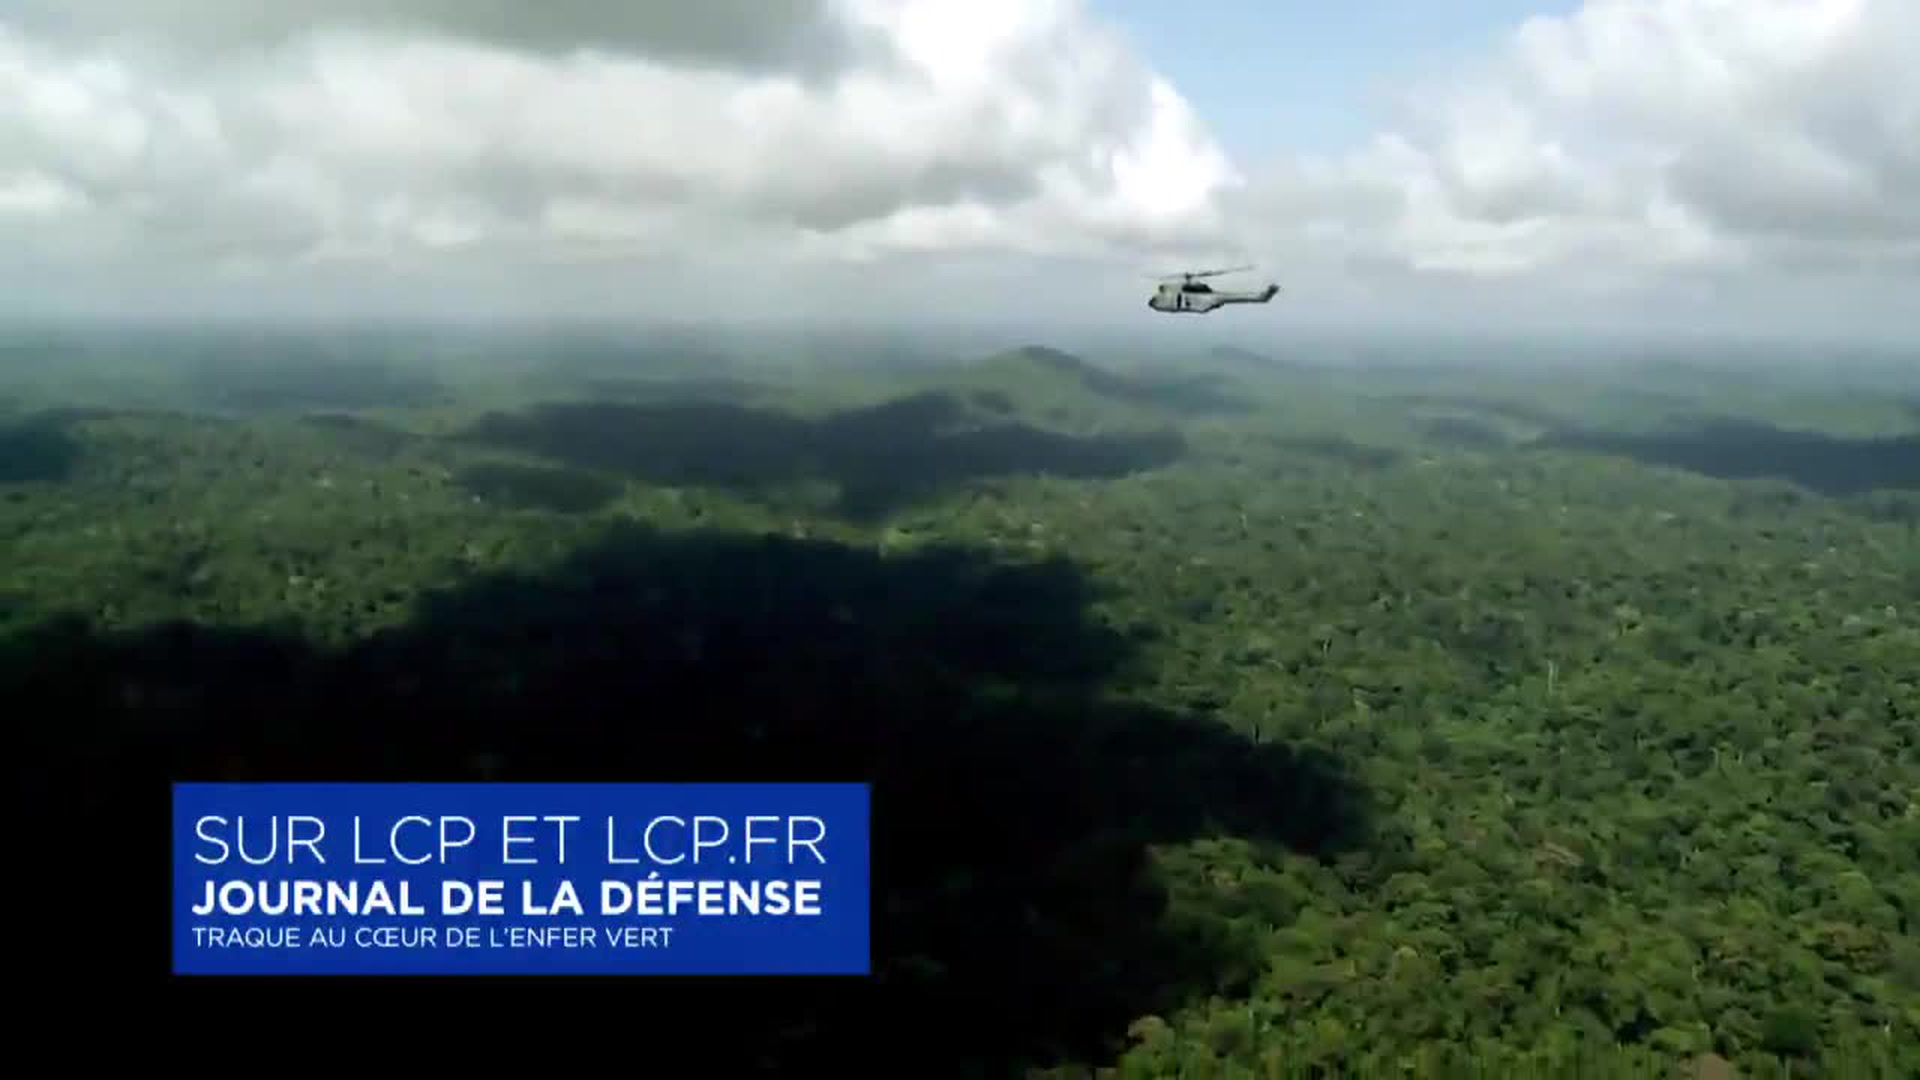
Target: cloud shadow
(1015, 917)
(880, 457)
(38, 450)
(1463, 434)
(1338, 448)
(242, 383)
(1734, 449)
(538, 487)
(1204, 394)
(1518, 412)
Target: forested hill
(1222, 724)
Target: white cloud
(629, 152)
(232, 135)
(1637, 141)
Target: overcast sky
(1643, 164)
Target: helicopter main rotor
(1194, 275)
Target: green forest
(1228, 714)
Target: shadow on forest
(1199, 394)
(1732, 449)
(538, 487)
(322, 383)
(1247, 360)
(881, 457)
(1338, 448)
(1498, 408)
(1014, 912)
(710, 389)
(1463, 434)
(361, 434)
(37, 450)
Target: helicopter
(1185, 293)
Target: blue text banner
(520, 879)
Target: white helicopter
(1187, 294)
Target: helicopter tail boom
(1254, 297)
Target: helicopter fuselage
(1198, 298)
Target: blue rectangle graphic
(520, 879)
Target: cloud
(674, 157)
(733, 34)
(1634, 141)
(417, 137)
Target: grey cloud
(1528, 199)
(802, 36)
(412, 158)
(820, 199)
(829, 202)
(1821, 167)
(1793, 190)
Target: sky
(1596, 165)
(1278, 76)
